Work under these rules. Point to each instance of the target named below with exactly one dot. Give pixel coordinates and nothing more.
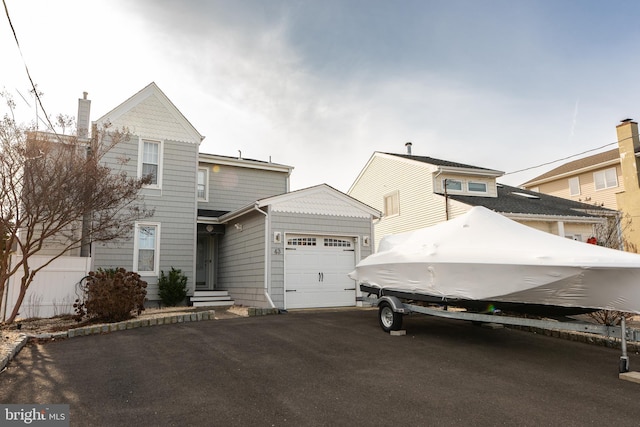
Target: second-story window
(477, 187)
(607, 178)
(574, 186)
(452, 184)
(151, 154)
(203, 178)
(392, 204)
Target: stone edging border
(105, 328)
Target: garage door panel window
(302, 241)
(341, 243)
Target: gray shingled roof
(508, 202)
(437, 162)
(575, 165)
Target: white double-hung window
(203, 187)
(146, 248)
(151, 161)
(574, 186)
(607, 178)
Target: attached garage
(295, 250)
(316, 269)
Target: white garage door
(316, 269)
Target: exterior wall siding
(232, 187)
(241, 258)
(419, 206)
(175, 210)
(588, 193)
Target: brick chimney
(628, 200)
(628, 146)
(84, 116)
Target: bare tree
(57, 194)
(610, 234)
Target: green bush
(111, 295)
(172, 288)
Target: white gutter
(470, 171)
(552, 218)
(267, 254)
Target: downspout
(446, 196)
(267, 254)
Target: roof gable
(319, 200)
(150, 114)
(443, 165)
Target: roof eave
(470, 171)
(571, 173)
(555, 218)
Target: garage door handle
(291, 290)
(349, 289)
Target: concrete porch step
(210, 293)
(211, 299)
(225, 303)
(206, 298)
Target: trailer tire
(389, 319)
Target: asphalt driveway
(325, 368)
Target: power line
(35, 90)
(559, 160)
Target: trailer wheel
(389, 319)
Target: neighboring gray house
(417, 191)
(230, 224)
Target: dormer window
(453, 184)
(477, 187)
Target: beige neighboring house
(608, 179)
(417, 191)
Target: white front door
(316, 269)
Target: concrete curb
(20, 341)
(106, 328)
(583, 337)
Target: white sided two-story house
(417, 191)
(231, 224)
(608, 179)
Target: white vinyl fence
(53, 290)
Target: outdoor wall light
(238, 226)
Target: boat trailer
(392, 309)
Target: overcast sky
(321, 84)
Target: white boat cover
(483, 255)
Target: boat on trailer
(483, 261)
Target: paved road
(325, 368)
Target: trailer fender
(396, 305)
